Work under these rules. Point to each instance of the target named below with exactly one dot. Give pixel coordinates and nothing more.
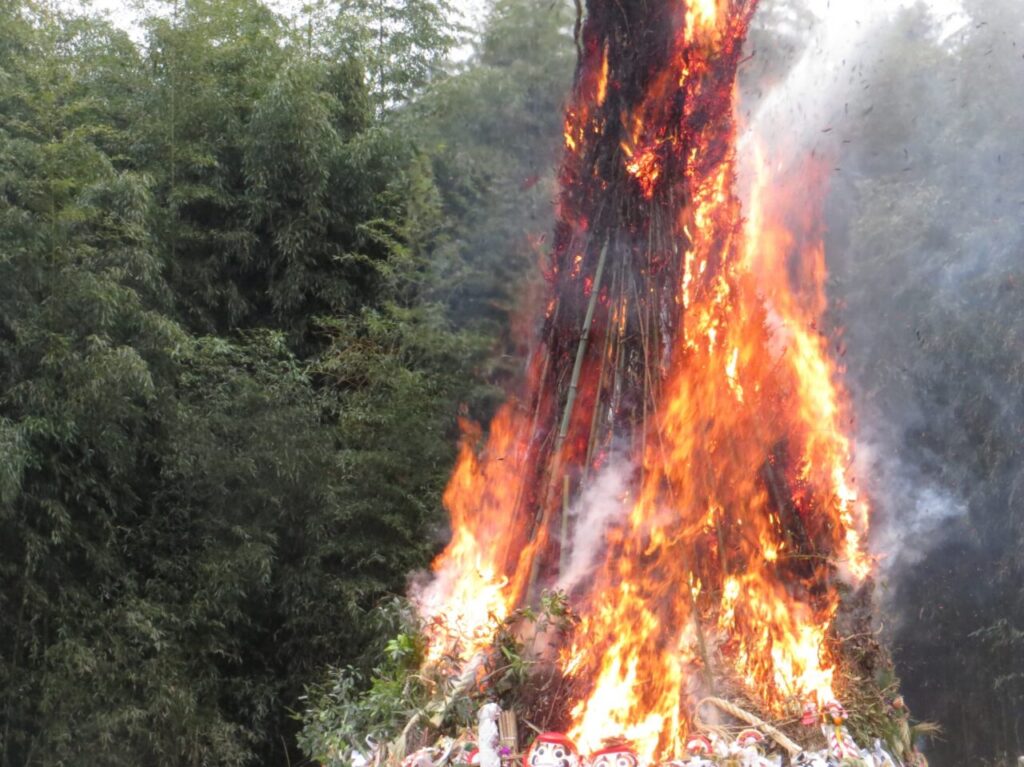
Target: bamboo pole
(595, 419)
(570, 402)
(563, 548)
(581, 350)
(643, 320)
(602, 379)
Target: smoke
(812, 59)
(603, 503)
(914, 507)
(916, 107)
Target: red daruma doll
(614, 756)
(552, 749)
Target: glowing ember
(690, 336)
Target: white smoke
(806, 111)
(914, 507)
(604, 503)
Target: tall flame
(698, 346)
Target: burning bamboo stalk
(563, 549)
(595, 419)
(609, 336)
(581, 350)
(574, 381)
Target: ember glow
(689, 333)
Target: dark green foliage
(494, 136)
(231, 357)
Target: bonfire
(676, 465)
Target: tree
(402, 43)
(494, 137)
(83, 346)
(211, 63)
(227, 392)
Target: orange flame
(602, 81)
(701, 18)
(475, 587)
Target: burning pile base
(757, 744)
(505, 706)
(677, 457)
(748, 742)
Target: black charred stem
(792, 524)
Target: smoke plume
(916, 109)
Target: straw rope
(745, 716)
